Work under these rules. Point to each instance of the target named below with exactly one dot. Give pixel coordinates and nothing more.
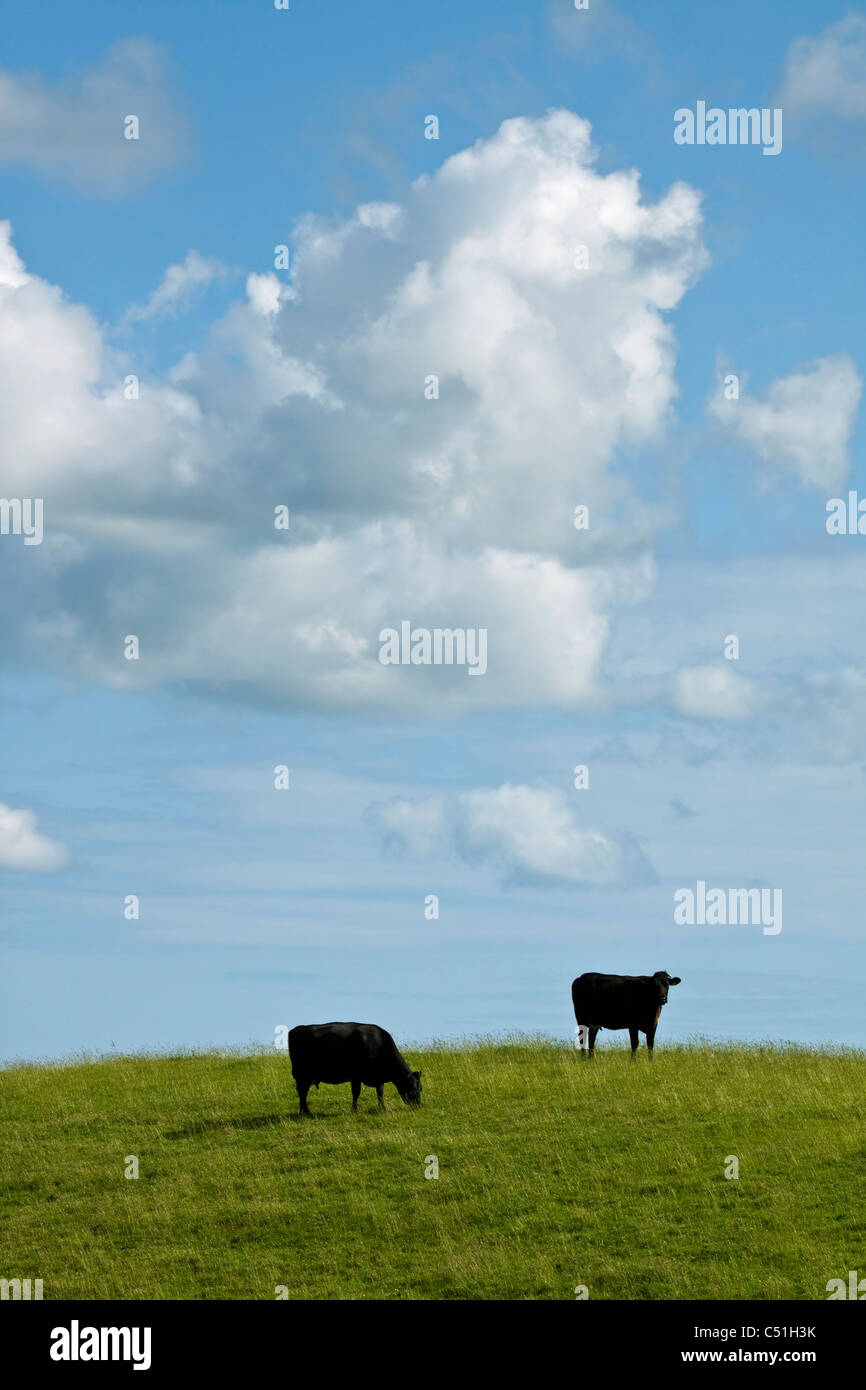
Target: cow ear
(676, 980)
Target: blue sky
(304, 387)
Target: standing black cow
(621, 1001)
(358, 1052)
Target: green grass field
(553, 1173)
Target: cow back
(337, 1052)
(614, 1001)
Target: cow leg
(592, 1037)
(380, 1092)
(650, 1039)
(356, 1091)
(303, 1088)
(635, 1041)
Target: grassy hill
(552, 1173)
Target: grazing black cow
(358, 1052)
(621, 1001)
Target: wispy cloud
(825, 74)
(803, 423)
(177, 288)
(715, 691)
(75, 128)
(526, 834)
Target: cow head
(664, 981)
(410, 1091)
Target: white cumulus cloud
(309, 393)
(22, 847)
